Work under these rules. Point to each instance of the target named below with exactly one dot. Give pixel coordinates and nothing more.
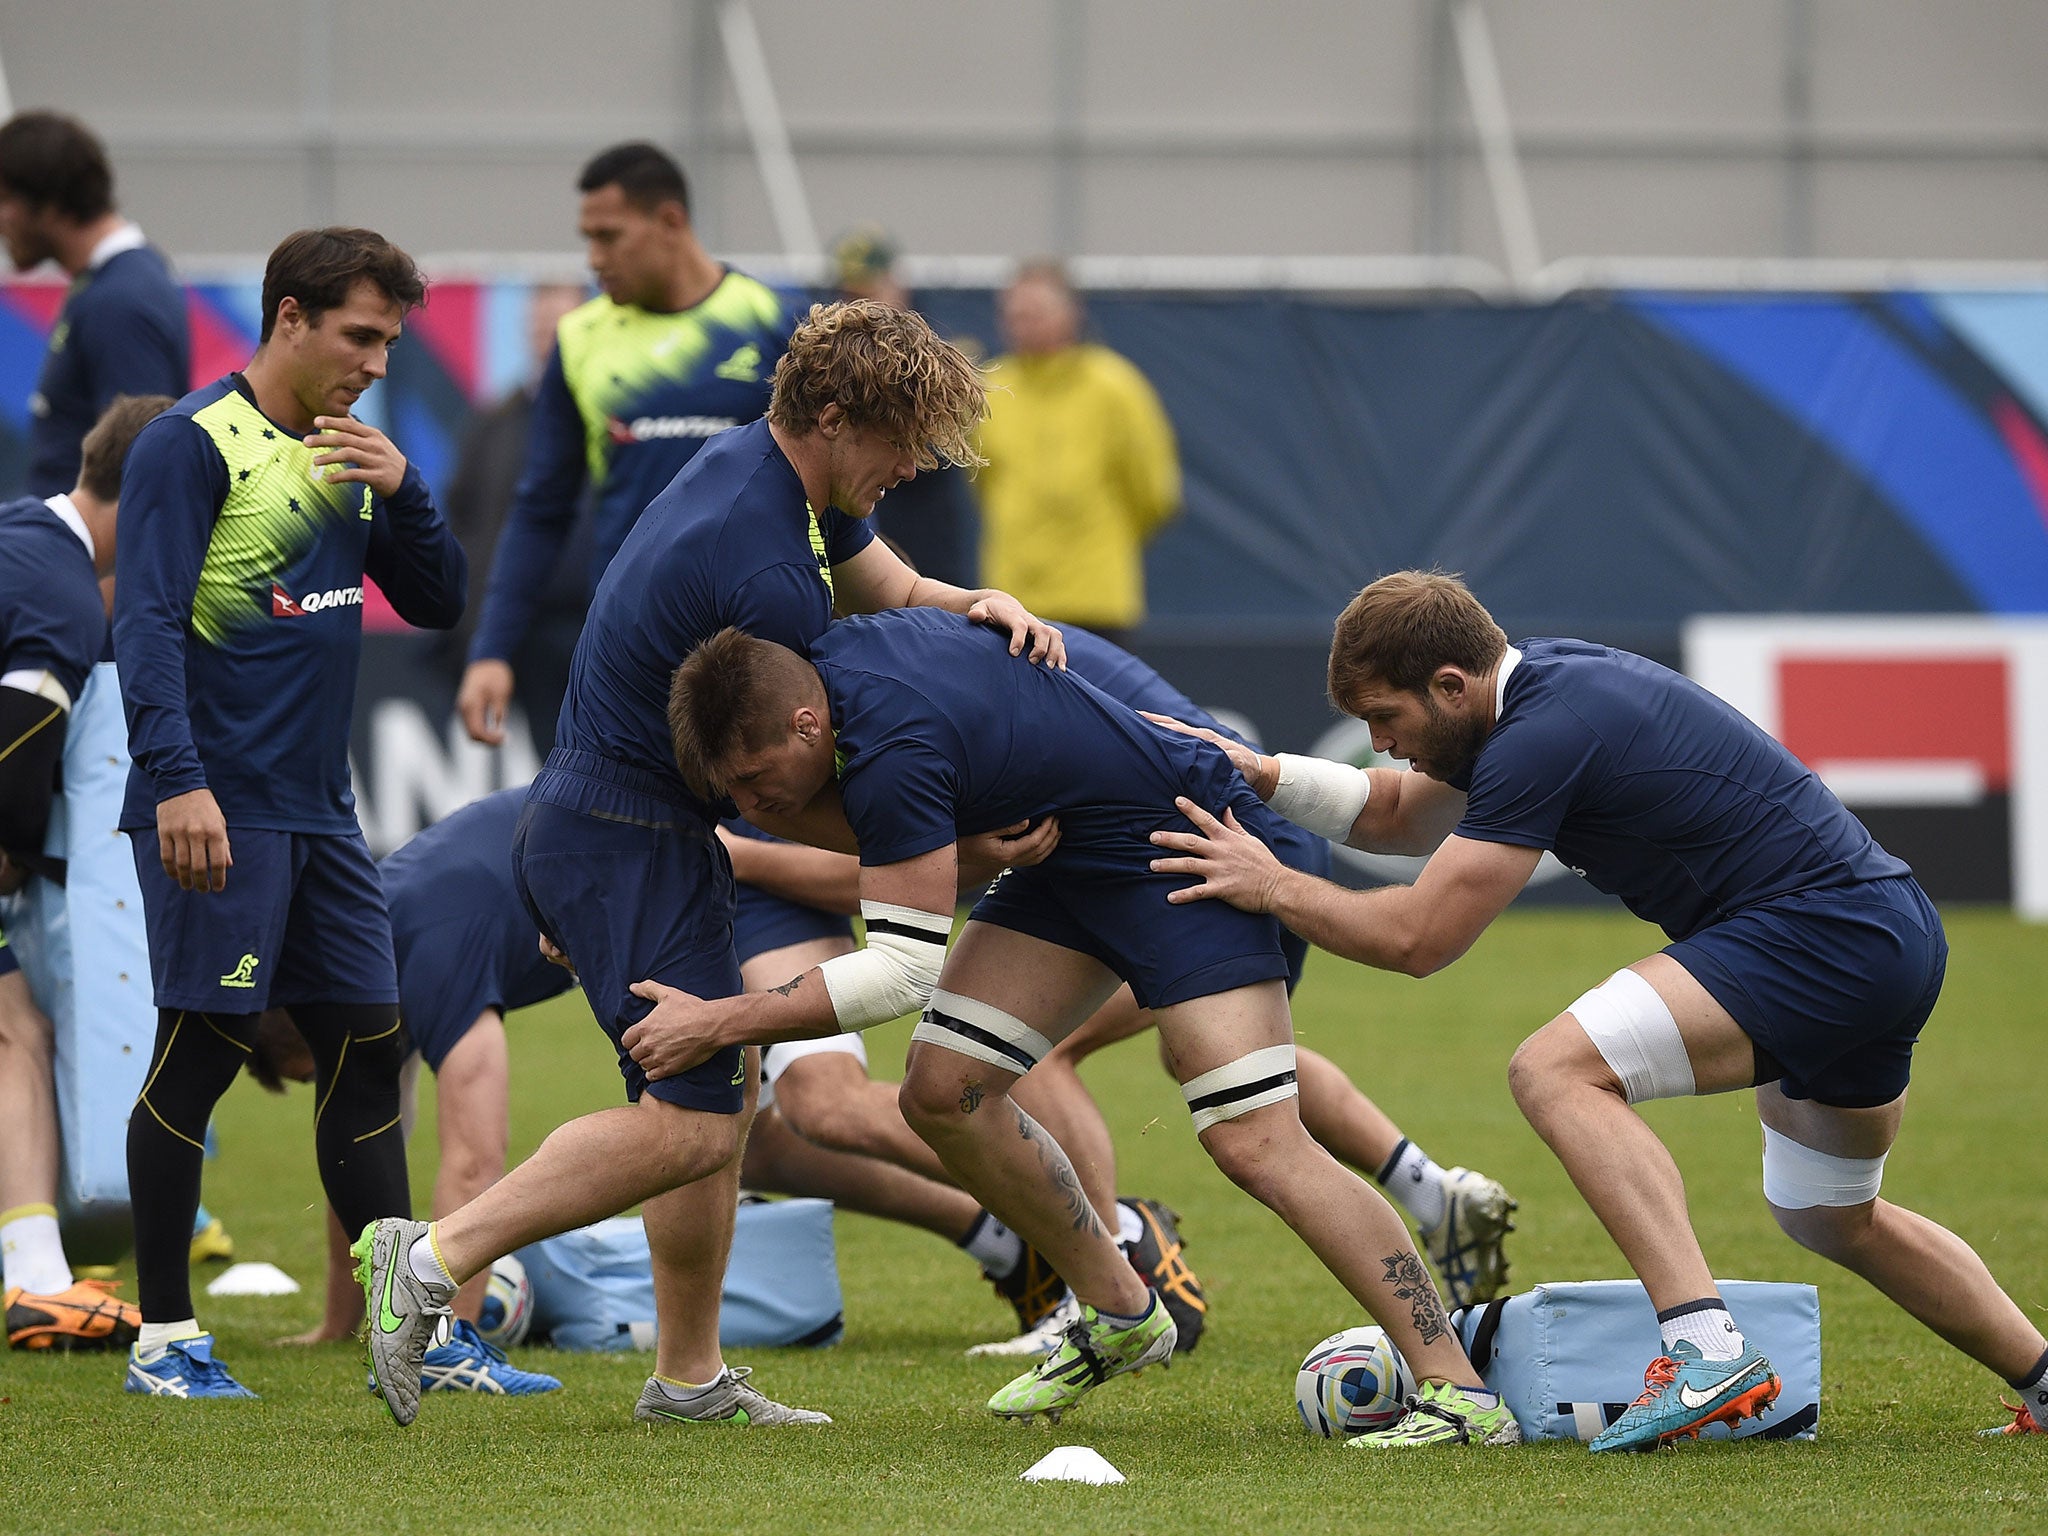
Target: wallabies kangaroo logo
(244, 973)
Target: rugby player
(920, 727)
(675, 349)
(53, 629)
(1463, 1215)
(466, 952)
(1804, 959)
(255, 508)
(618, 858)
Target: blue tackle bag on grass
(1568, 1358)
(593, 1289)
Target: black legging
(357, 1051)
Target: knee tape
(972, 1028)
(1238, 1087)
(1797, 1178)
(1636, 1035)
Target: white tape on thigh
(1635, 1033)
(972, 1028)
(1238, 1087)
(1796, 1177)
(41, 682)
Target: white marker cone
(260, 1278)
(1072, 1464)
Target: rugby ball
(1353, 1382)
(508, 1304)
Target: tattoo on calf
(1412, 1285)
(1080, 1214)
(970, 1098)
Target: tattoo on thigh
(788, 986)
(1080, 1214)
(970, 1098)
(1411, 1284)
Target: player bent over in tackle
(930, 728)
(1804, 960)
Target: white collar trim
(1500, 682)
(68, 515)
(129, 237)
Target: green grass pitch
(1213, 1444)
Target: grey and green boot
(404, 1311)
(1441, 1414)
(728, 1400)
(1090, 1352)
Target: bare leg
(471, 1098)
(1348, 1224)
(1354, 1129)
(1054, 1095)
(344, 1313)
(997, 1152)
(829, 1099)
(780, 1161)
(590, 1168)
(28, 1099)
(1924, 1267)
(1575, 1103)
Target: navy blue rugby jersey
(459, 872)
(1656, 791)
(121, 331)
(731, 542)
(238, 610)
(942, 732)
(51, 617)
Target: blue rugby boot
(1684, 1392)
(184, 1369)
(468, 1363)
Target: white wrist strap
(1323, 797)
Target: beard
(1450, 746)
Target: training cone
(1072, 1464)
(260, 1278)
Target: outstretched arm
(1415, 929)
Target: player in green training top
(675, 350)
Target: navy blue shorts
(1833, 984)
(762, 922)
(632, 887)
(453, 968)
(7, 960)
(1098, 895)
(302, 920)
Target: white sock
(33, 1250)
(155, 1336)
(992, 1245)
(1415, 1184)
(1704, 1324)
(683, 1391)
(426, 1262)
(1130, 1226)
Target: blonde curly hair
(890, 373)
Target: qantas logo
(648, 429)
(284, 606)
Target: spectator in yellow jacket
(1082, 468)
